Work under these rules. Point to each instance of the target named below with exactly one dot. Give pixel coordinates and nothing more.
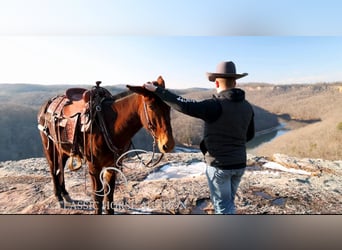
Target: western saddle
(78, 98)
(71, 112)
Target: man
(229, 124)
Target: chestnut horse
(123, 118)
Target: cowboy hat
(225, 70)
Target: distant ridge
(19, 104)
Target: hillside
(20, 104)
(313, 112)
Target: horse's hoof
(67, 198)
(110, 212)
(61, 204)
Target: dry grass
(318, 140)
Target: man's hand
(149, 86)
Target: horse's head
(155, 116)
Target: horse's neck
(128, 121)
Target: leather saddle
(79, 99)
(66, 112)
(65, 116)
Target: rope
(103, 181)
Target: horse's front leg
(97, 187)
(109, 178)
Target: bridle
(151, 129)
(150, 125)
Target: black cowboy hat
(225, 70)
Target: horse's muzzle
(166, 146)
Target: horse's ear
(161, 82)
(139, 90)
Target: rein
(105, 131)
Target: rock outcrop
(276, 185)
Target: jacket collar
(234, 94)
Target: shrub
(339, 126)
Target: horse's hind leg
(52, 157)
(109, 178)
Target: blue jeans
(223, 185)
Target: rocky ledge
(277, 185)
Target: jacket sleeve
(251, 129)
(208, 110)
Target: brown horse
(100, 147)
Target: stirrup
(74, 163)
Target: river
(266, 136)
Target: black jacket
(229, 124)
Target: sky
(79, 42)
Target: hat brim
(213, 76)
